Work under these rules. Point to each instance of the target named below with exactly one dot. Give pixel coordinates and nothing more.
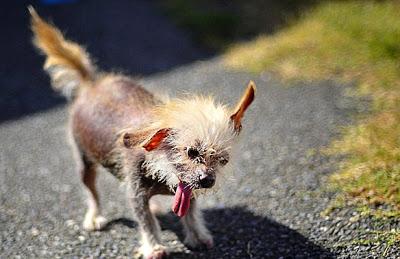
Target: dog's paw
(92, 223)
(203, 242)
(156, 252)
(155, 207)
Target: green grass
(376, 238)
(377, 234)
(349, 41)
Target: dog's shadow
(238, 233)
(120, 221)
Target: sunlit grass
(350, 41)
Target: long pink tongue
(182, 199)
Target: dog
(174, 147)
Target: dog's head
(189, 141)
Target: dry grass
(353, 41)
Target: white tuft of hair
(196, 118)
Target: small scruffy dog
(176, 147)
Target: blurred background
(129, 36)
(320, 164)
(138, 38)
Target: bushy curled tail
(67, 63)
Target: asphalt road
(253, 215)
(270, 205)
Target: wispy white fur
(159, 167)
(197, 118)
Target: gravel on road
(269, 206)
(265, 209)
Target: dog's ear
(146, 138)
(131, 140)
(156, 139)
(242, 106)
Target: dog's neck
(158, 167)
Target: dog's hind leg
(93, 220)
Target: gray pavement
(259, 212)
(270, 205)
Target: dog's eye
(223, 160)
(193, 153)
(211, 153)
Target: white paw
(198, 242)
(155, 207)
(92, 222)
(156, 252)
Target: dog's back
(100, 111)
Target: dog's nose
(207, 181)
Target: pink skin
(209, 244)
(182, 199)
(158, 255)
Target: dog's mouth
(182, 199)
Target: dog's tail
(67, 63)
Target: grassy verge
(353, 41)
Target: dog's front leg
(196, 232)
(149, 228)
